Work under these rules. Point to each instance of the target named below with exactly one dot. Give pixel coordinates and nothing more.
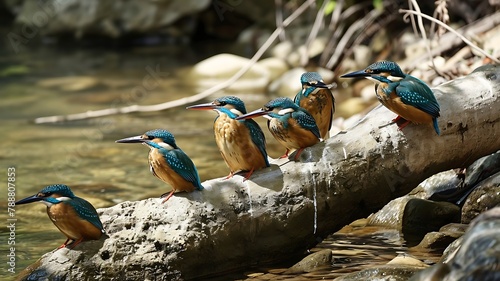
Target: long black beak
(30, 199)
(321, 84)
(355, 74)
(136, 139)
(203, 106)
(253, 114)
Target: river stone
(312, 262)
(484, 197)
(435, 241)
(382, 273)
(447, 180)
(275, 66)
(108, 18)
(414, 215)
(476, 258)
(221, 67)
(288, 85)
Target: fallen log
(289, 207)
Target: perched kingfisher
(318, 100)
(168, 162)
(73, 216)
(241, 142)
(291, 125)
(407, 96)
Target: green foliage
(14, 70)
(377, 4)
(330, 7)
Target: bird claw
(168, 196)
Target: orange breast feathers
(320, 104)
(236, 146)
(70, 224)
(408, 112)
(162, 170)
(294, 137)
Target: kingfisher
(168, 162)
(241, 142)
(318, 100)
(73, 216)
(291, 125)
(407, 96)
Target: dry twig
(187, 100)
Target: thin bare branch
(348, 35)
(314, 32)
(465, 40)
(279, 18)
(427, 43)
(187, 100)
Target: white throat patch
(285, 111)
(165, 145)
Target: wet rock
(407, 260)
(275, 66)
(312, 262)
(383, 273)
(454, 230)
(484, 197)
(288, 85)
(455, 185)
(112, 19)
(415, 216)
(477, 258)
(440, 182)
(221, 67)
(350, 107)
(435, 241)
(282, 50)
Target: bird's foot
(64, 244)
(247, 175)
(285, 155)
(404, 124)
(74, 244)
(297, 154)
(231, 174)
(168, 196)
(395, 120)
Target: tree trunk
(288, 208)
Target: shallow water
(82, 154)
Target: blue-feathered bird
(168, 162)
(291, 125)
(407, 96)
(73, 216)
(241, 142)
(318, 100)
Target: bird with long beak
(291, 125)
(241, 142)
(168, 162)
(318, 100)
(73, 216)
(407, 96)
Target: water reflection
(82, 154)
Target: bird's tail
(436, 127)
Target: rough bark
(289, 207)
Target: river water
(53, 80)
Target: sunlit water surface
(82, 154)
